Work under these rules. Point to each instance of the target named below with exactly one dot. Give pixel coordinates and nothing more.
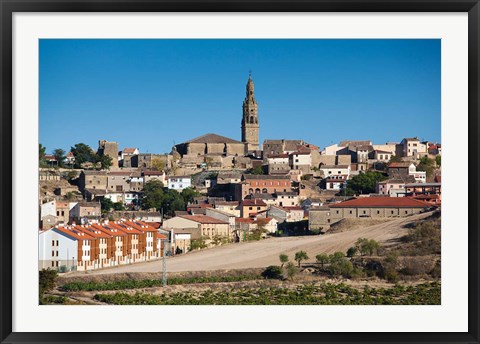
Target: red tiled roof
(203, 219)
(381, 202)
(73, 233)
(273, 156)
(141, 226)
(129, 150)
(293, 208)
(154, 224)
(252, 202)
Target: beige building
(199, 226)
(366, 207)
(210, 144)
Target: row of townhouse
(95, 246)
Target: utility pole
(164, 264)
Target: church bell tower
(250, 118)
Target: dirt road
(265, 252)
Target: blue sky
(151, 94)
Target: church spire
(250, 125)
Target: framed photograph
(237, 171)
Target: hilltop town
(115, 207)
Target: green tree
(340, 265)
(257, 170)
(367, 247)
(291, 270)
(118, 206)
(82, 153)
(438, 160)
(106, 204)
(103, 161)
(283, 259)
(153, 195)
(365, 183)
(299, 256)
(322, 259)
(41, 155)
(189, 194)
(59, 154)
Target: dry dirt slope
(263, 253)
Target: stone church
(213, 145)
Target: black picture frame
(8, 7)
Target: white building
(300, 159)
(335, 170)
(57, 248)
(179, 183)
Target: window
(56, 253)
(378, 211)
(53, 253)
(53, 242)
(364, 212)
(350, 212)
(250, 208)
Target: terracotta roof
(333, 166)
(129, 150)
(292, 208)
(153, 173)
(154, 224)
(230, 203)
(92, 231)
(106, 228)
(203, 219)
(273, 156)
(73, 233)
(263, 177)
(212, 138)
(381, 202)
(141, 226)
(244, 220)
(254, 201)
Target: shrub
(367, 247)
(46, 281)
(351, 252)
(272, 272)
(291, 270)
(197, 244)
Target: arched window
(264, 190)
(250, 191)
(257, 190)
(251, 119)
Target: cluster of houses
(75, 236)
